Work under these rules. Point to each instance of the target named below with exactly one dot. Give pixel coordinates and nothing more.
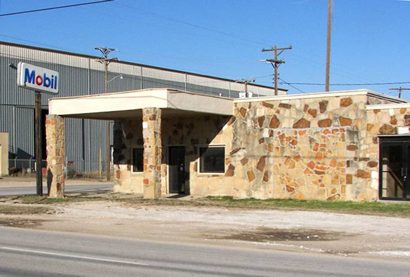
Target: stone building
(350, 145)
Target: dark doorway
(176, 169)
(394, 168)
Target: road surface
(20, 190)
(26, 252)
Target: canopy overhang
(129, 104)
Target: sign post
(37, 142)
(40, 80)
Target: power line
(37, 43)
(196, 26)
(349, 84)
(400, 89)
(56, 8)
(289, 84)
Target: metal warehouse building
(83, 75)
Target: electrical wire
(196, 26)
(289, 84)
(347, 84)
(56, 8)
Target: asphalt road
(26, 252)
(20, 190)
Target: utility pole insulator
(275, 62)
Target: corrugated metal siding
(97, 138)
(24, 133)
(73, 138)
(6, 124)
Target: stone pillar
(55, 156)
(151, 131)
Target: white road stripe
(64, 255)
(397, 253)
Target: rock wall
(384, 121)
(127, 135)
(151, 132)
(193, 132)
(301, 148)
(55, 134)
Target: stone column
(55, 156)
(151, 131)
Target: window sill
(137, 173)
(204, 174)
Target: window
(212, 159)
(138, 159)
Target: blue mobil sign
(37, 78)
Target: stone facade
(308, 147)
(151, 132)
(191, 132)
(299, 148)
(127, 135)
(55, 156)
(390, 120)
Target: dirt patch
(20, 223)
(268, 234)
(319, 232)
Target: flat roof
(321, 95)
(388, 106)
(128, 104)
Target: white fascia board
(137, 100)
(305, 96)
(199, 103)
(110, 102)
(388, 106)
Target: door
(395, 168)
(176, 169)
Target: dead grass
(69, 198)
(401, 209)
(10, 209)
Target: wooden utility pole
(106, 61)
(328, 43)
(245, 82)
(399, 89)
(38, 142)
(275, 62)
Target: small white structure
(4, 154)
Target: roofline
(388, 106)
(129, 63)
(168, 90)
(320, 95)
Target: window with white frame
(138, 159)
(212, 159)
